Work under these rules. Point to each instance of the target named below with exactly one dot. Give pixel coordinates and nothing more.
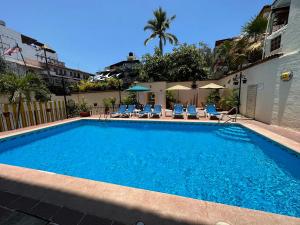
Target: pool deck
(127, 205)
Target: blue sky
(92, 34)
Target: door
(251, 101)
(151, 98)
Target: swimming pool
(221, 163)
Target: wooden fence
(31, 113)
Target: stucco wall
(286, 108)
(93, 97)
(265, 76)
(291, 38)
(277, 102)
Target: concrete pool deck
(129, 205)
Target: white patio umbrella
(178, 88)
(212, 86)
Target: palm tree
(223, 54)
(19, 86)
(256, 27)
(159, 26)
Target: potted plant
(112, 101)
(84, 110)
(107, 104)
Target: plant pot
(85, 114)
(106, 110)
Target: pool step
(233, 133)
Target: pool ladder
(231, 118)
(105, 116)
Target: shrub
(229, 100)
(213, 97)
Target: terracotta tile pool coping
(129, 205)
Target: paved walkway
(282, 131)
(18, 210)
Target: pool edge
(42, 186)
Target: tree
(188, 62)
(255, 27)
(155, 67)
(184, 63)
(159, 26)
(23, 86)
(2, 65)
(248, 48)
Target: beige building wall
(93, 97)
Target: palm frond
(152, 36)
(172, 38)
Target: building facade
(37, 57)
(126, 70)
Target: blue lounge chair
(120, 112)
(157, 111)
(146, 111)
(211, 111)
(129, 111)
(192, 112)
(178, 110)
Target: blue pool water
(225, 164)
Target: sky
(92, 34)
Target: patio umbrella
(137, 89)
(212, 86)
(178, 88)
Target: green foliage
(20, 86)
(108, 84)
(159, 26)
(186, 62)
(109, 102)
(130, 99)
(256, 26)
(247, 49)
(83, 107)
(155, 68)
(2, 65)
(112, 101)
(229, 99)
(72, 108)
(213, 97)
(170, 99)
(106, 102)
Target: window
(275, 43)
(280, 18)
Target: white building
(272, 91)
(38, 57)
